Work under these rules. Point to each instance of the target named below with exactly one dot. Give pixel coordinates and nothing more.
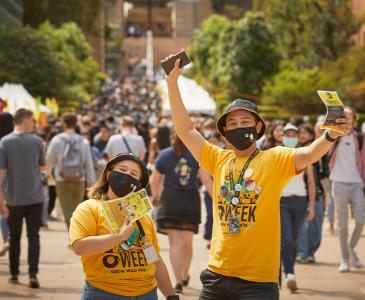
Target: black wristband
(328, 138)
(173, 297)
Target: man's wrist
(329, 136)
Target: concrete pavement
(61, 275)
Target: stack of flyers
(134, 205)
(335, 109)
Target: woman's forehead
(130, 164)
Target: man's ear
(258, 127)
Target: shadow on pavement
(333, 294)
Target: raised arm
(305, 156)
(183, 125)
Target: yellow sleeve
(83, 222)
(285, 161)
(209, 157)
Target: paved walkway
(61, 274)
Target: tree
(74, 53)
(295, 90)
(310, 32)
(203, 50)
(83, 13)
(26, 57)
(246, 55)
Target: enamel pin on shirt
(236, 188)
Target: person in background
(179, 212)
(347, 175)
(6, 127)
(127, 141)
(69, 154)
(124, 265)
(274, 136)
(102, 138)
(311, 233)
(22, 160)
(297, 200)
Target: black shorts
(218, 287)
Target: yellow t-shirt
(120, 272)
(253, 254)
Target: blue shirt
(180, 172)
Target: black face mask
(242, 138)
(122, 184)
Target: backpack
(71, 163)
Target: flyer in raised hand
(335, 109)
(134, 205)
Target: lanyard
(242, 173)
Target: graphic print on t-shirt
(128, 260)
(131, 261)
(242, 206)
(183, 170)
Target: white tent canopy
(16, 96)
(195, 98)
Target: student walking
(22, 158)
(124, 265)
(244, 258)
(179, 210)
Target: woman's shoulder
(90, 204)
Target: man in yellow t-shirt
(245, 252)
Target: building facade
(11, 13)
(358, 9)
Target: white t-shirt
(116, 145)
(345, 168)
(296, 187)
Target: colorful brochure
(335, 109)
(135, 205)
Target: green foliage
(234, 56)
(296, 89)
(204, 49)
(311, 32)
(246, 55)
(50, 62)
(26, 57)
(74, 53)
(83, 13)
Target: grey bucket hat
(240, 104)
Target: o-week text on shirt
(245, 210)
(128, 261)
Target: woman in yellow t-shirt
(116, 265)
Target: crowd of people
(121, 142)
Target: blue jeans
(90, 292)
(4, 228)
(209, 222)
(292, 214)
(311, 233)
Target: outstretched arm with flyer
(337, 123)
(183, 125)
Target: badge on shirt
(150, 254)
(234, 225)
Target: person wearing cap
(116, 265)
(296, 205)
(244, 259)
